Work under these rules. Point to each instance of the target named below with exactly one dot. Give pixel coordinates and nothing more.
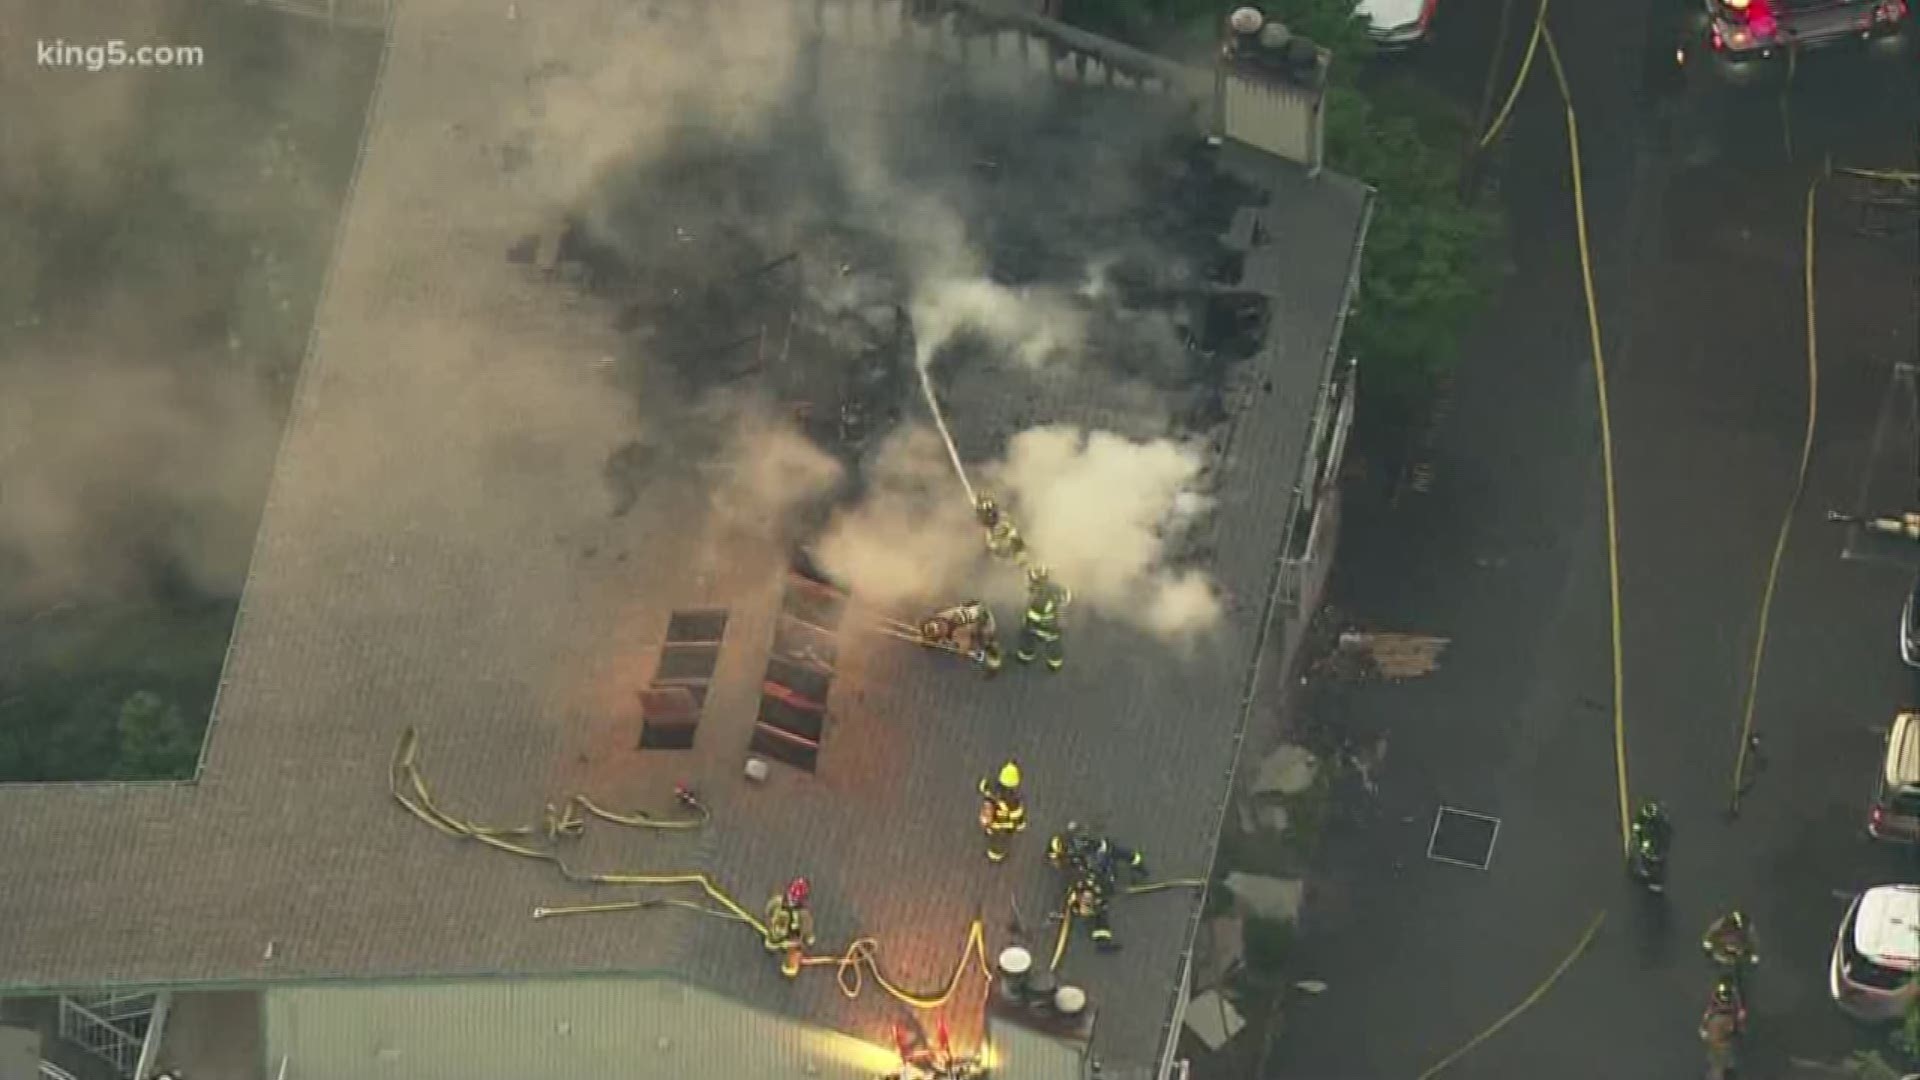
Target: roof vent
(800, 669)
(670, 710)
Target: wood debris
(1395, 656)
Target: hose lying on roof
(410, 790)
(862, 955)
(859, 962)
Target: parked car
(1895, 813)
(1747, 29)
(1877, 953)
(1910, 627)
(1398, 24)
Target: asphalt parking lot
(1695, 193)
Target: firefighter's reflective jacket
(788, 925)
(1001, 811)
(1087, 899)
(1044, 604)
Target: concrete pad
(1289, 770)
(1268, 897)
(1213, 1019)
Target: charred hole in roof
(752, 263)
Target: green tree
(1428, 269)
(156, 742)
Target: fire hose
(410, 790)
(858, 963)
(862, 956)
(1894, 176)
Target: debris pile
(1360, 655)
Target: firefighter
(1003, 540)
(1092, 865)
(1906, 525)
(1089, 901)
(790, 925)
(1002, 812)
(1046, 599)
(970, 628)
(1077, 853)
(1729, 941)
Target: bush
(1269, 944)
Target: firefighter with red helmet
(790, 925)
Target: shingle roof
(419, 568)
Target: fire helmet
(1038, 575)
(798, 890)
(1010, 775)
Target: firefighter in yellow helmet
(1002, 811)
(790, 925)
(1040, 633)
(1003, 540)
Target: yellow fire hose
(544, 912)
(410, 790)
(1898, 177)
(861, 960)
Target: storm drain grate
(1463, 838)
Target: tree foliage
(1428, 267)
(156, 742)
(120, 694)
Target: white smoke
(1104, 512)
(769, 470)
(913, 537)
(1034, 325)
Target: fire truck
(1756, 29)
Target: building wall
(547, 1029)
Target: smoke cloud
(769, 473)
(75, 431)
(684, 140)
(1107, 514)
(912, 538)
(1035, 325)
(158, 240)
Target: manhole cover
(1463, 838)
